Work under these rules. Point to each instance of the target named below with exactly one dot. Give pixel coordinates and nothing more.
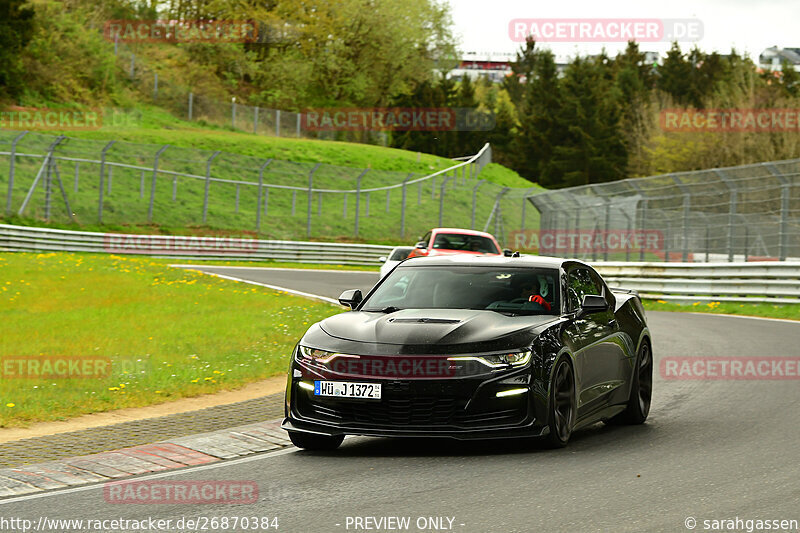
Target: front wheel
(641, 390)
(312, 441)
(562, 406)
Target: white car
(399, 254)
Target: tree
(16, 30)
(592, 150)
(539, 128)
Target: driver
(536, 291)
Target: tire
(562, 405)
(312, 441)
(638, 406)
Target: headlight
(513, 359)
(307, 354)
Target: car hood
(427, 327)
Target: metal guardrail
(756, 282)
(32, 239)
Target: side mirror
(382, 259)
(592, 303)
(421, 245)
(507, 252)
(351, 298)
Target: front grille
(419, 411)
(416, 411)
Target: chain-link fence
(114, 183)
(749, 212)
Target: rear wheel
(562, 405)
(641, 390)
(312, 441)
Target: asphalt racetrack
(711, 450)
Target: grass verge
(168, 333)
(788, 311)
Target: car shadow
(594, 437)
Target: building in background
(772, 58)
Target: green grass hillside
(333, 216)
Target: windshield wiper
(389, 309)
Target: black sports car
(473, 347)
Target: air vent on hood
(424, 320)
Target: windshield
(400, 254)
(512, 291)
(468, 243)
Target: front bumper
(460, 408)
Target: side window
(579, 284)
(427, 238)
(598, 281)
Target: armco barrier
(32, 239)
(756, 282)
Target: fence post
(785, 192)
(255, 120)
(77, 173)
(155, 86)
(687, 204)
(606, 224)
(208, 184)
(11, 170)
(236, 208)
(419, 194)
(733, 190)
(525, 203)
(153, 183)
(102, 178)
(277, 123)
(441, 199)
(141, 185)
(403, 207)
(191, 103)
(298, 125)
(358, 195)
(133, 64)
(233, 113)
(310, 198)
(474, 198)
(48, 180)
(260, 189)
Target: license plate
(346, 389)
